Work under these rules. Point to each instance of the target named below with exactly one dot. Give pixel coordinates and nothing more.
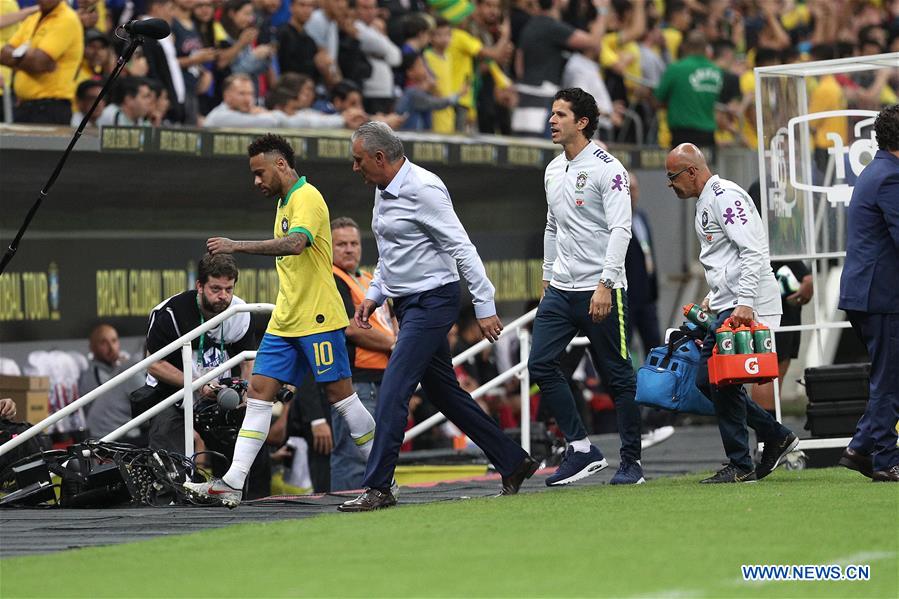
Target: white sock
(359, 421)
(250, 440)
(581, 445)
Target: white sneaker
(215, 492)
(394, 488)
(656, 436)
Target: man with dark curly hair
(306, 330)
(588, 228)
(870, 297)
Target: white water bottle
(787, 280)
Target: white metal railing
(142, 365)
(515, 326)
(520, 370)
(175, 397)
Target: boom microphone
(228, 398)
(154, 28)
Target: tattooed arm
(290, 245)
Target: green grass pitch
(669, 538)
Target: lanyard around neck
(200, 352)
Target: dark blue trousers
(422, 354)
(735, 409)
(560, 316)
(876, 432)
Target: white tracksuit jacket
(588, 221)
(733, 250)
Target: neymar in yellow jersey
(306, 330)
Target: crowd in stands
(662, 71)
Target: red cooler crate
(742, 368)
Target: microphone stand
(133, 43)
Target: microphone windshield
(154, 28)
(228, 398)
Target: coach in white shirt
(588, 228)
(422, 248)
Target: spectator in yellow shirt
(45, 54)
(765, 57)
(92, 14)
(462, 52)
(438, 62)
(10, 17)
(99, 59)
(678, 21)
(619, 54)
(827, 95)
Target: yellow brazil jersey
(673, 39)
(610, 53)
(461, 52)
(60, 36)
(443, 120)
(308, 301)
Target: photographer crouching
(216, 403)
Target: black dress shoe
(525, 470)
(857, 461)
(890, 475)
(371, 499)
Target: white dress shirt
(421, 243)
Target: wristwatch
(20, 52)
(607, 283)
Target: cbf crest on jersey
(284, 225)
(581, 180)
(705, 218)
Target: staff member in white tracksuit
(588, 228)
(734, 253)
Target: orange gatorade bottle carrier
(738, 362)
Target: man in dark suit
(870, 297)
(642, 293)
(642, 281)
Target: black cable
(217, 454)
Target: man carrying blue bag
(734, 254)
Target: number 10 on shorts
(324, 353)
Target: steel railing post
(187, 403)
(524, 350)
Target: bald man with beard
(734, 254)
(106, 360)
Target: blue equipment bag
(668, 378)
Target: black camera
(218, 420)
